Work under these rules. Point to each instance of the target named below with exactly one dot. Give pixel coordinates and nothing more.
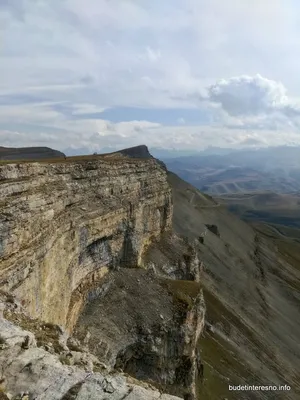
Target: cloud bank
(173, 74)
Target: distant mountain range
(260, 186)
(275, 169)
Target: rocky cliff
(65, 224)
(142, 326)
(74, 235)
(105, 263)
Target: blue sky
(173, 74)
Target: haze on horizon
(183, 74)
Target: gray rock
(35, 373)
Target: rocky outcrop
(175, 257)
(64, 225)
(33, 366)
(148, 327)
(214, 229)
(140, 151)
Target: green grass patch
(293, 233)
(183, 291)
(290, 251)
(222, 367)
(223, 364)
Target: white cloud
(179, 45)
(251, 95)
(29, 113)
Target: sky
(176, 74)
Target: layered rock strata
(72, 233)
(64, 225)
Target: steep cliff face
(142, 325)
(81, 244)
(71, 236)
(64, 225)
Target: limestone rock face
(174, 257)
(64, 225)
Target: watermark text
(280, 388)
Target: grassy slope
(222, 365)
(272, 208)
(251, 282)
